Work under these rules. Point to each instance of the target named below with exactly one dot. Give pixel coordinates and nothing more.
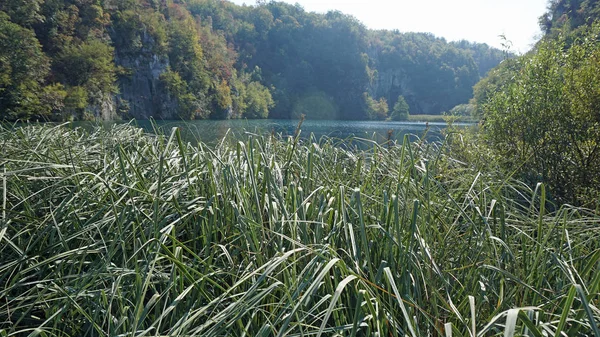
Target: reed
(115, 232)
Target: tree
(53, 101)
(23, 68)
(208, 46)
(188, 106)
(90, 64)
(22, 12)
(401, 110)
(90, 68)
(494, 82)
(433, 74)
(569, 15)
(187, 62)
(258, 101)
(139, 32)
(376, 109)
(185, 52)
(546, 121)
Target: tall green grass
(119, 233)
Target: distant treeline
(86, 59)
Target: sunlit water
(210, 131)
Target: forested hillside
(569, 15)
(193, 59)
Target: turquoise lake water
(210, 131)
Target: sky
(474, 20)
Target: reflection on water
(210, 131)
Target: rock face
(140, 93)
(107, 108)
(390, 84)
(103, 109)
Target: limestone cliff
(391, 82)
(140, 94)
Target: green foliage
(205, 63)
(401, 110)
(494, 82)
(185, 52)
(76, 99)
(301, 53)
(546, 121)
(569, 16)
(53, 101)
(188, 105)
(258, 100)
(430, 73)
(486, 58)
(88, 73)
(23, 68)
(89, 65)
(139, 31)
(22, 12)
(250, 99)
(219, 61)
(224, 100)
(315, 105)
(70, 22)
(462, 110)
(104, 46)
(376, 109)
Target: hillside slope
(193, 59)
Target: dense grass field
(120, 233)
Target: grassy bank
(441, 118)
(119, 233)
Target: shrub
(547, 121)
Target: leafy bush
(546, 121)
(376, 109)
(89, 65)
(258, 101)
(185, 103)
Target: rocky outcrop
(393, 82)
(105, 109)
(140, 94)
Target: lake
(210, 131)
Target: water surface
(210, 131)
